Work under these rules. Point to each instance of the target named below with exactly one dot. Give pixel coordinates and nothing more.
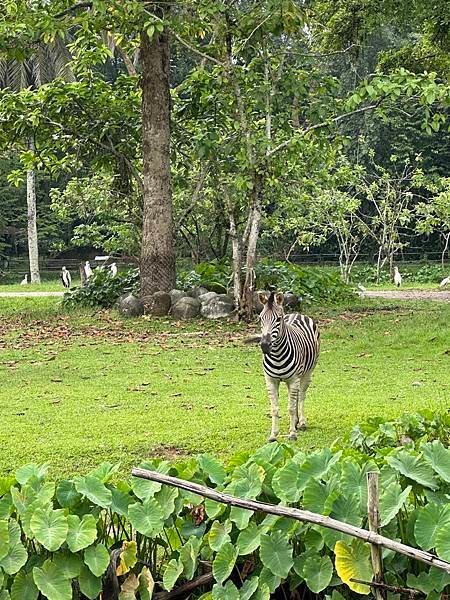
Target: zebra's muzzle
(265, 344)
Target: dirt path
(29, 294)
(439, 295)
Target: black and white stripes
(290, 344)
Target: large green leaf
(391, 501)
(90, 585)
(276, 553)
(225, 592)
(353, 480)
(212, 467)
(266, 577)
(31, 471)
(173, 571)
(146, 584)
(145, 489)
(247, 481)
(6, 505)
(218, 535)
(248, 588)
(4, 538)
(224, 562)
(315, 496)
(97, 559)
(94, 490)
(413, 467)
(23, 587)
(68, 564)
(240, 516)
(166, 498)
(67, 495)
(287, 482)
(188, 556)
(438, 457)
(317, 572)
(49, 527)
(249, 539)
(353, 562)
(442, 541)
(120, 502)
(15, 559)
(317, 465)
(105, 471)
(146, 517)
(4, 595)
(81, 533)
(430, 519)
(50, 582)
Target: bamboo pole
(373, 512)
(295, 513)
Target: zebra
(290, 344)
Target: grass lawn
(80, 388)
(53, 285)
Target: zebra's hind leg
(272, 387)
(305, 380)
(293, 389)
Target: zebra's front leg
(273, 387)
(303, 387)
(293, 389)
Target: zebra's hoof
(273, 438)
(292, 438)
(302, 427)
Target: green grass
(53, 285)
(81, 388)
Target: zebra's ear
(279, 298)
(263, 297)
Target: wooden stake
(374, 524)
(295, 513)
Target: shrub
(102, 289)
(60, 538)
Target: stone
(176, 295)
(158, 304)
(205, 298)
(217, 308)
(197, 292)
(186, 308)
(130, 306)
(291, 300)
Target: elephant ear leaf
(353, 562)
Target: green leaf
(81, 533)
(105, 471)
(226, 592)
(224, 562)
(262, 593)
(15, 559)
(97, 559)
(442, 542)
(50, 582)
(240, 516)
(166, 498)
(266, 577)
(31, 471)
(23, 587)
(317, 465)
(276, 553)
(212, 467)
(430, 519)
(171, 574)
(67, 495)
(90, 585)
(353, 562)
(391, 501)
(69, 565)
(249, 539)
(188, 557)
(49, 527)
(120, 502)
(317, 572)
(145, 489)
(218, 535)
(4, 595)
(438, 457)
(213, 509)
(128, 558)
(146, 517)
(94, 490)
(287, 482)
(248, 588)
(315, 496)
(4, 539)
(146, 584)
(413, 467)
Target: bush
(214, 276)
(61, 537)
(367, 274)
(102, 289)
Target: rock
(291, 300)
(205, 298)
(217, 308)
(130, 306)
(158, 304)
(186, 308)
(196, 292)
(176, 295)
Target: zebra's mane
(271, 299)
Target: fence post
(373, 512)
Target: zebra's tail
(252, 339)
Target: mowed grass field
(81, 388)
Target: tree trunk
(33, 250)
(157, 253)
(250, 263)
(236, 244)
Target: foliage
(53, 533)
(101, 289)
(214, 275)
(427, 273)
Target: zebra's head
(271, 319)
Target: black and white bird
(65, 277)
(445, 282)
(24, 280)
(87, 269)
(397, 277)
(113, 269)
